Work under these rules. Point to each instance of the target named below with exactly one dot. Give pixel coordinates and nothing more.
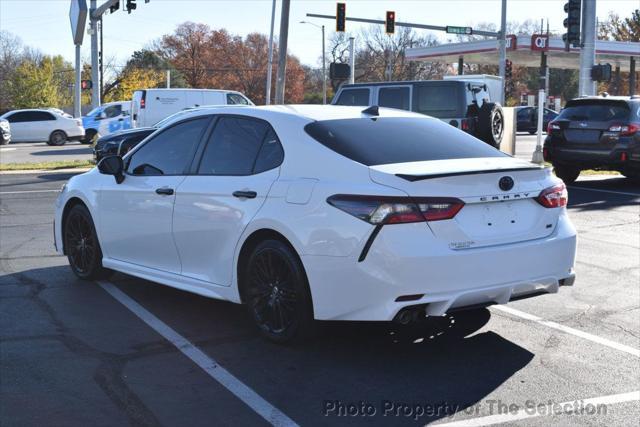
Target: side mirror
(112, 165)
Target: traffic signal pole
(503, 50)
(586, 86)
(77, 91)
(95, 67)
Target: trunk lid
(491, 215)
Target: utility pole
(324, 71)
(503, 50)
(77, 91)
(588, 52)
(95, 66)
(101, 60)
(270, 66)
(352, 60)
(282, 51)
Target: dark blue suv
(595, 133)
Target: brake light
(379, 210)
(142, 102)
(554, 197)
(552, 126)
(464, 124)
(625, 130)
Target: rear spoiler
(473, 172)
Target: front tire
(277, 293)
(568, 174)
(81, 245)
(57, 138)
(90, 137)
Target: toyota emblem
(505, 183)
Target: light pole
(324, 62)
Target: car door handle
(245, 194)
(164, 191)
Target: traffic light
(572, 24)
(508, 69)
(131, 5)
(341, 17)
(390, 22)
(601, 72)
(86, 84)
(114, 7)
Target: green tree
(34, 86)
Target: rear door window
(395, 97)
(233, 146)
(388, 140)
(357, 97)
(236, 99)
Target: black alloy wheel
(82, 246)
(277, 293)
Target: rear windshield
(389, 140)
(595, 111)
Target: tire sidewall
(58, 143)
(487, 114)
(96, 263)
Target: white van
(149, 106)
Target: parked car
(465, 103)
(5, 132)
(149, 106)
(595, 133)
(37, 125)
(319, 212)
(120, 143)
(527, 119)
(106, 119)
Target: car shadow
(607, 193)
(444, 363)
(67, 152)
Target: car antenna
(372, 111)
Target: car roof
(401, 83)
(310, 112)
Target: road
(36, 152)
(72, 354)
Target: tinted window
(41, 116)
(234, 98)
(394, 97)
(397, 140)
(170, 152)
(113, 111)
(596, 111)
(233, 146)
(524, 113)
(438, 100)
(271, 154)
(19, 117)
(354, 97)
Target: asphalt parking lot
(127, 351)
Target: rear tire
(491, 124)
(82, 246)
(276, 292)
(532, 132)
(57, 138)
(568, 174)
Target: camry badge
(505, 183)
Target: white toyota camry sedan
(321, 212)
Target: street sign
(467, 31)
(78, 18)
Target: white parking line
(624, 193)
(7, 149)
(569, 407)
(568, 330)
(29, 191)
(267, 411)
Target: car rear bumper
(76, 134)
(401, 265)
(619, 157)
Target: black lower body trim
(370, 240)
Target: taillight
(79, 122)
(625, 130)
(464, 124)
(554, 197)
(379, 210)
(142, 102)
(552, 126)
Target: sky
(44, 24)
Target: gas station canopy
(524, 51)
